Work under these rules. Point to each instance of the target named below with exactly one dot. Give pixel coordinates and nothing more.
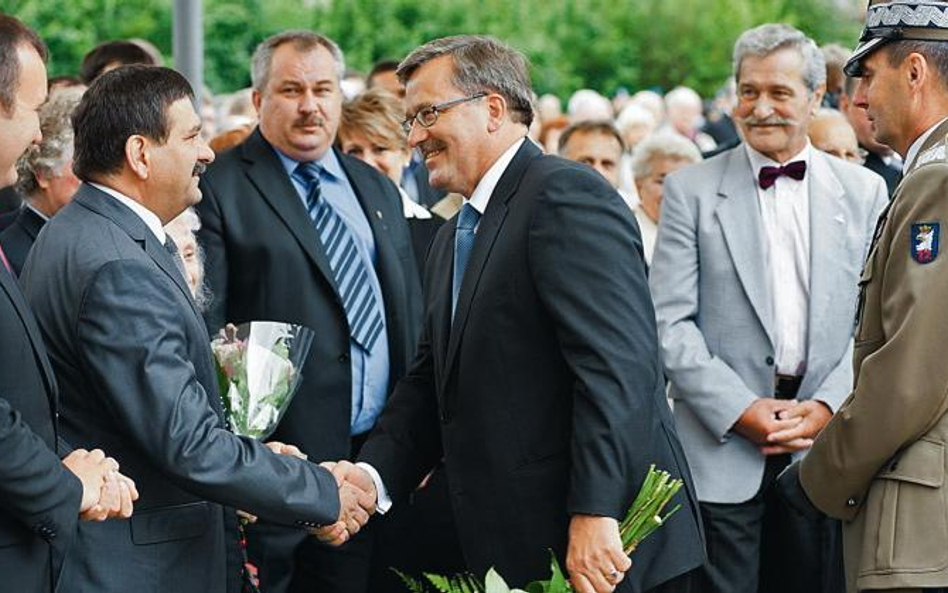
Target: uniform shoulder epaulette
(937, 153)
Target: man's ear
(496, 111)
(136, 156)
(817, 99)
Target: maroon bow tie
(768, 175)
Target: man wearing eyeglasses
(537, 378)
(295, 231)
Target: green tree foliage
(600, 44)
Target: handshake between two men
(357, 497)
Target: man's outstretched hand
(357, 502)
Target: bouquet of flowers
(258, 371)
(641, 520)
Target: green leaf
(493, 583)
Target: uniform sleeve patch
(923, 242)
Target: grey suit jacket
(132, 355)
(714, 304)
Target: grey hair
(480, 63)
(662, 145)
(302, 40)
(55, 151)
(766, 39)
(182, 227)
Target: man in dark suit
(41, 497)
(45, 176)
(132, 354)
(295, 231)
(537, 377)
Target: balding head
(830, 132)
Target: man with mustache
(132, 356)
(754, 280)
(294, 230)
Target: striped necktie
(348, 267)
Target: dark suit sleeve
(35, 487)
(134, 346)
(211, 239)
(585, 255)
(406, 441)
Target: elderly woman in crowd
(655, 158)
(371, 130)
(183, 231)
(46, 180)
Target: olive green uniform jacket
(880, 463)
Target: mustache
(772, 120)
(199, 168)
(310, 120)
(430, 145)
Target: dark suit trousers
(763, 546)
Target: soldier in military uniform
(880, 463)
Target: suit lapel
(741, 223)
(487, 231)
(266, 173)
(97, 201)
(828, 253)
(9, 285)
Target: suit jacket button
(851, 502)
(769, 360)
(344, 357)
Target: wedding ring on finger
(613, 576)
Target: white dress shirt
(150, 219)
(785, 211)
(485, 187)
(479, 199)
(649, 232)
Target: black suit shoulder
(18, 238)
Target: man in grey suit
(754, 280)
(131, 352)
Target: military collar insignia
(935, 153)
(923, 241)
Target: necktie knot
(308, 172)
(768, 175)
(468, 218)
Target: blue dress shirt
(370, 370)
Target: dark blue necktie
(463, 242)
(348, 268)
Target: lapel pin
(379, 214)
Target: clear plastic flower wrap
(259, 366)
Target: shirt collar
(36, 211)
(485, 187)
(917, 146)
(150, 219)
(759, 160)
(328, 163)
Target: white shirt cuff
(384, 502)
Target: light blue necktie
(463, 242)
(348, 267)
